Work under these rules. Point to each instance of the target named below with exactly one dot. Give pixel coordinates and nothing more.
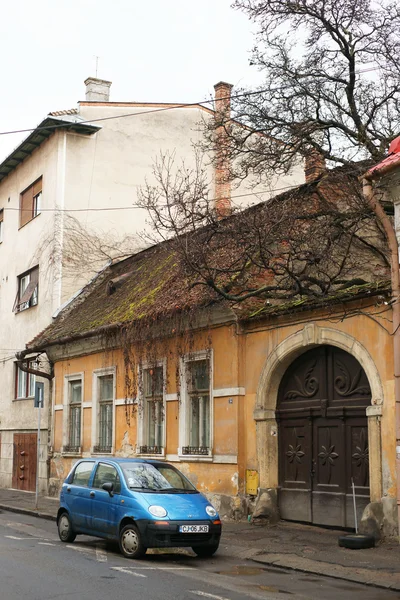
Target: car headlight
(210, 510)
(157, 511)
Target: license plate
(193, 528)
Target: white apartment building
(88, 162)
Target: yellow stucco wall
(239, 358)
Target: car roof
(123, 460)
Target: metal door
(24, 461)
(323, 438)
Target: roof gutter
(380, 171)
(73, 337)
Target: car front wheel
(205, 551)
(130, 542)
(65, 531)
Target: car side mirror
(108, 486)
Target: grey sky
(159, 51)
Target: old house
(87, 164)
(273, 407)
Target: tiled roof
(152, 285)
(61, 113)
(147, 285)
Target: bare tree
(307, 242)
(82, 250)
(332, 84)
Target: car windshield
(152, 478)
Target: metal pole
(354, 504)
(38, 454)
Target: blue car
(141, 503)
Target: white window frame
(23, 282)
(66, 412)
(37, 204)
(142, 412)
(97, 373)
(29, 384)
(184, 406)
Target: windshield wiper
(177, 491)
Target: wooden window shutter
(30, 288)
(26, 207)
(16, 302)
(37, 187)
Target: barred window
(106, 395)
(75, 414)
(198, 407)
(153, 411)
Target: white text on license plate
(193, 528)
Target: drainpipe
(377, 208)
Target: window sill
(30, 221)
(94, 452)
(24, 398)
(195, 458)
(152, 456)
(71, 454)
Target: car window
(107, 473)
(82, 473)
(175, 478)
(155, 478)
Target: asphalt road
(35, 565)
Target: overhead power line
(165, 108)
(109, 208)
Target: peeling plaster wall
(242, 441)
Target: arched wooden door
(323, 438)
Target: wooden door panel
(295, 470)
(24, 461)
(323, 438)
(295, 454)
(357, 449)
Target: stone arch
(276, 364)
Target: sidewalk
(286, 545)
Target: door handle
(68, 489)
(92, 494)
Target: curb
(395, 587)
(28, 511)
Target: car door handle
(68, 489)
(92, 494)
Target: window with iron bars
(153, 411)
(198, 400)
(105, 414)
(75, 415)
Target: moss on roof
(155, 287)
(354, 292)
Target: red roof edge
(391, 162)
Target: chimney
(314, 165)
(222, 171)
(97, 90)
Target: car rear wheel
(130, 542)
(65, 531)
(205, 551)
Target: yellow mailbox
(251, 482)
